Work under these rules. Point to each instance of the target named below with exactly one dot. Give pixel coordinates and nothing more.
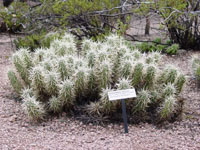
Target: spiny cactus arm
(55, 104)
(167, 107)
(34, 109)
(142, 101)
(14, 81)
(180, 81)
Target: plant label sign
(121, 94)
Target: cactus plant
(55, 104)
(168, 107)
(137, 74)
(150, 76)
(196, 67)
(66, 92)
(17, 86)
(27, 92)
(51, 80)
(180, 83)
(20, 66)
(37, 77)
(169, 90)
(34, 109)
(143, 99)
(61, 78)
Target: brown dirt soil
(60, 133)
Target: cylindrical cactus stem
(39, 55)
(51, 81)
(124, 84)
(168, 106)
(156, 56)
(168, 75)
(26, 58)
(68, 37)
(150, 77)
(107, 106)
(137, 74)
(17, 86)
(66, 92)
(55, 104)
(21, 68)
(142, 100)
(102, 55)
(92, 82)
(27, 92)
(63, 69)
(149, 59)
(91, 58)
(116, 68)
(94, 108)
(169, 90)
(37, 77)
(81, 80)
(34, 109)
(86, 46)
(126, 68)
(104, 74)
(180, 81)
(155, 96)
(172, 74)
(137, 54)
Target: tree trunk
(147, 26)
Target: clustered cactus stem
(61, 77)
(16, 84)
(66, 92)
(137, 74)
(20, 66)
(55, 104)
(180, 83)
(33, 108)
(150, 77)
(168, 107)
(196, 67)
(143, 99)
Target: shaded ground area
(59, 133)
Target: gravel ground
(60, 133)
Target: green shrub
(158, 40)
(172, 50)
(14, 17)
(157, 46)
(146, 47)
(36, 40)
(61, 77)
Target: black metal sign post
(124, 116)
(122, 95)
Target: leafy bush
(62, 77)
(14, 16)
(37, 40)
(172, 49)
(146, 47)
(180, 18)
(158, 46)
